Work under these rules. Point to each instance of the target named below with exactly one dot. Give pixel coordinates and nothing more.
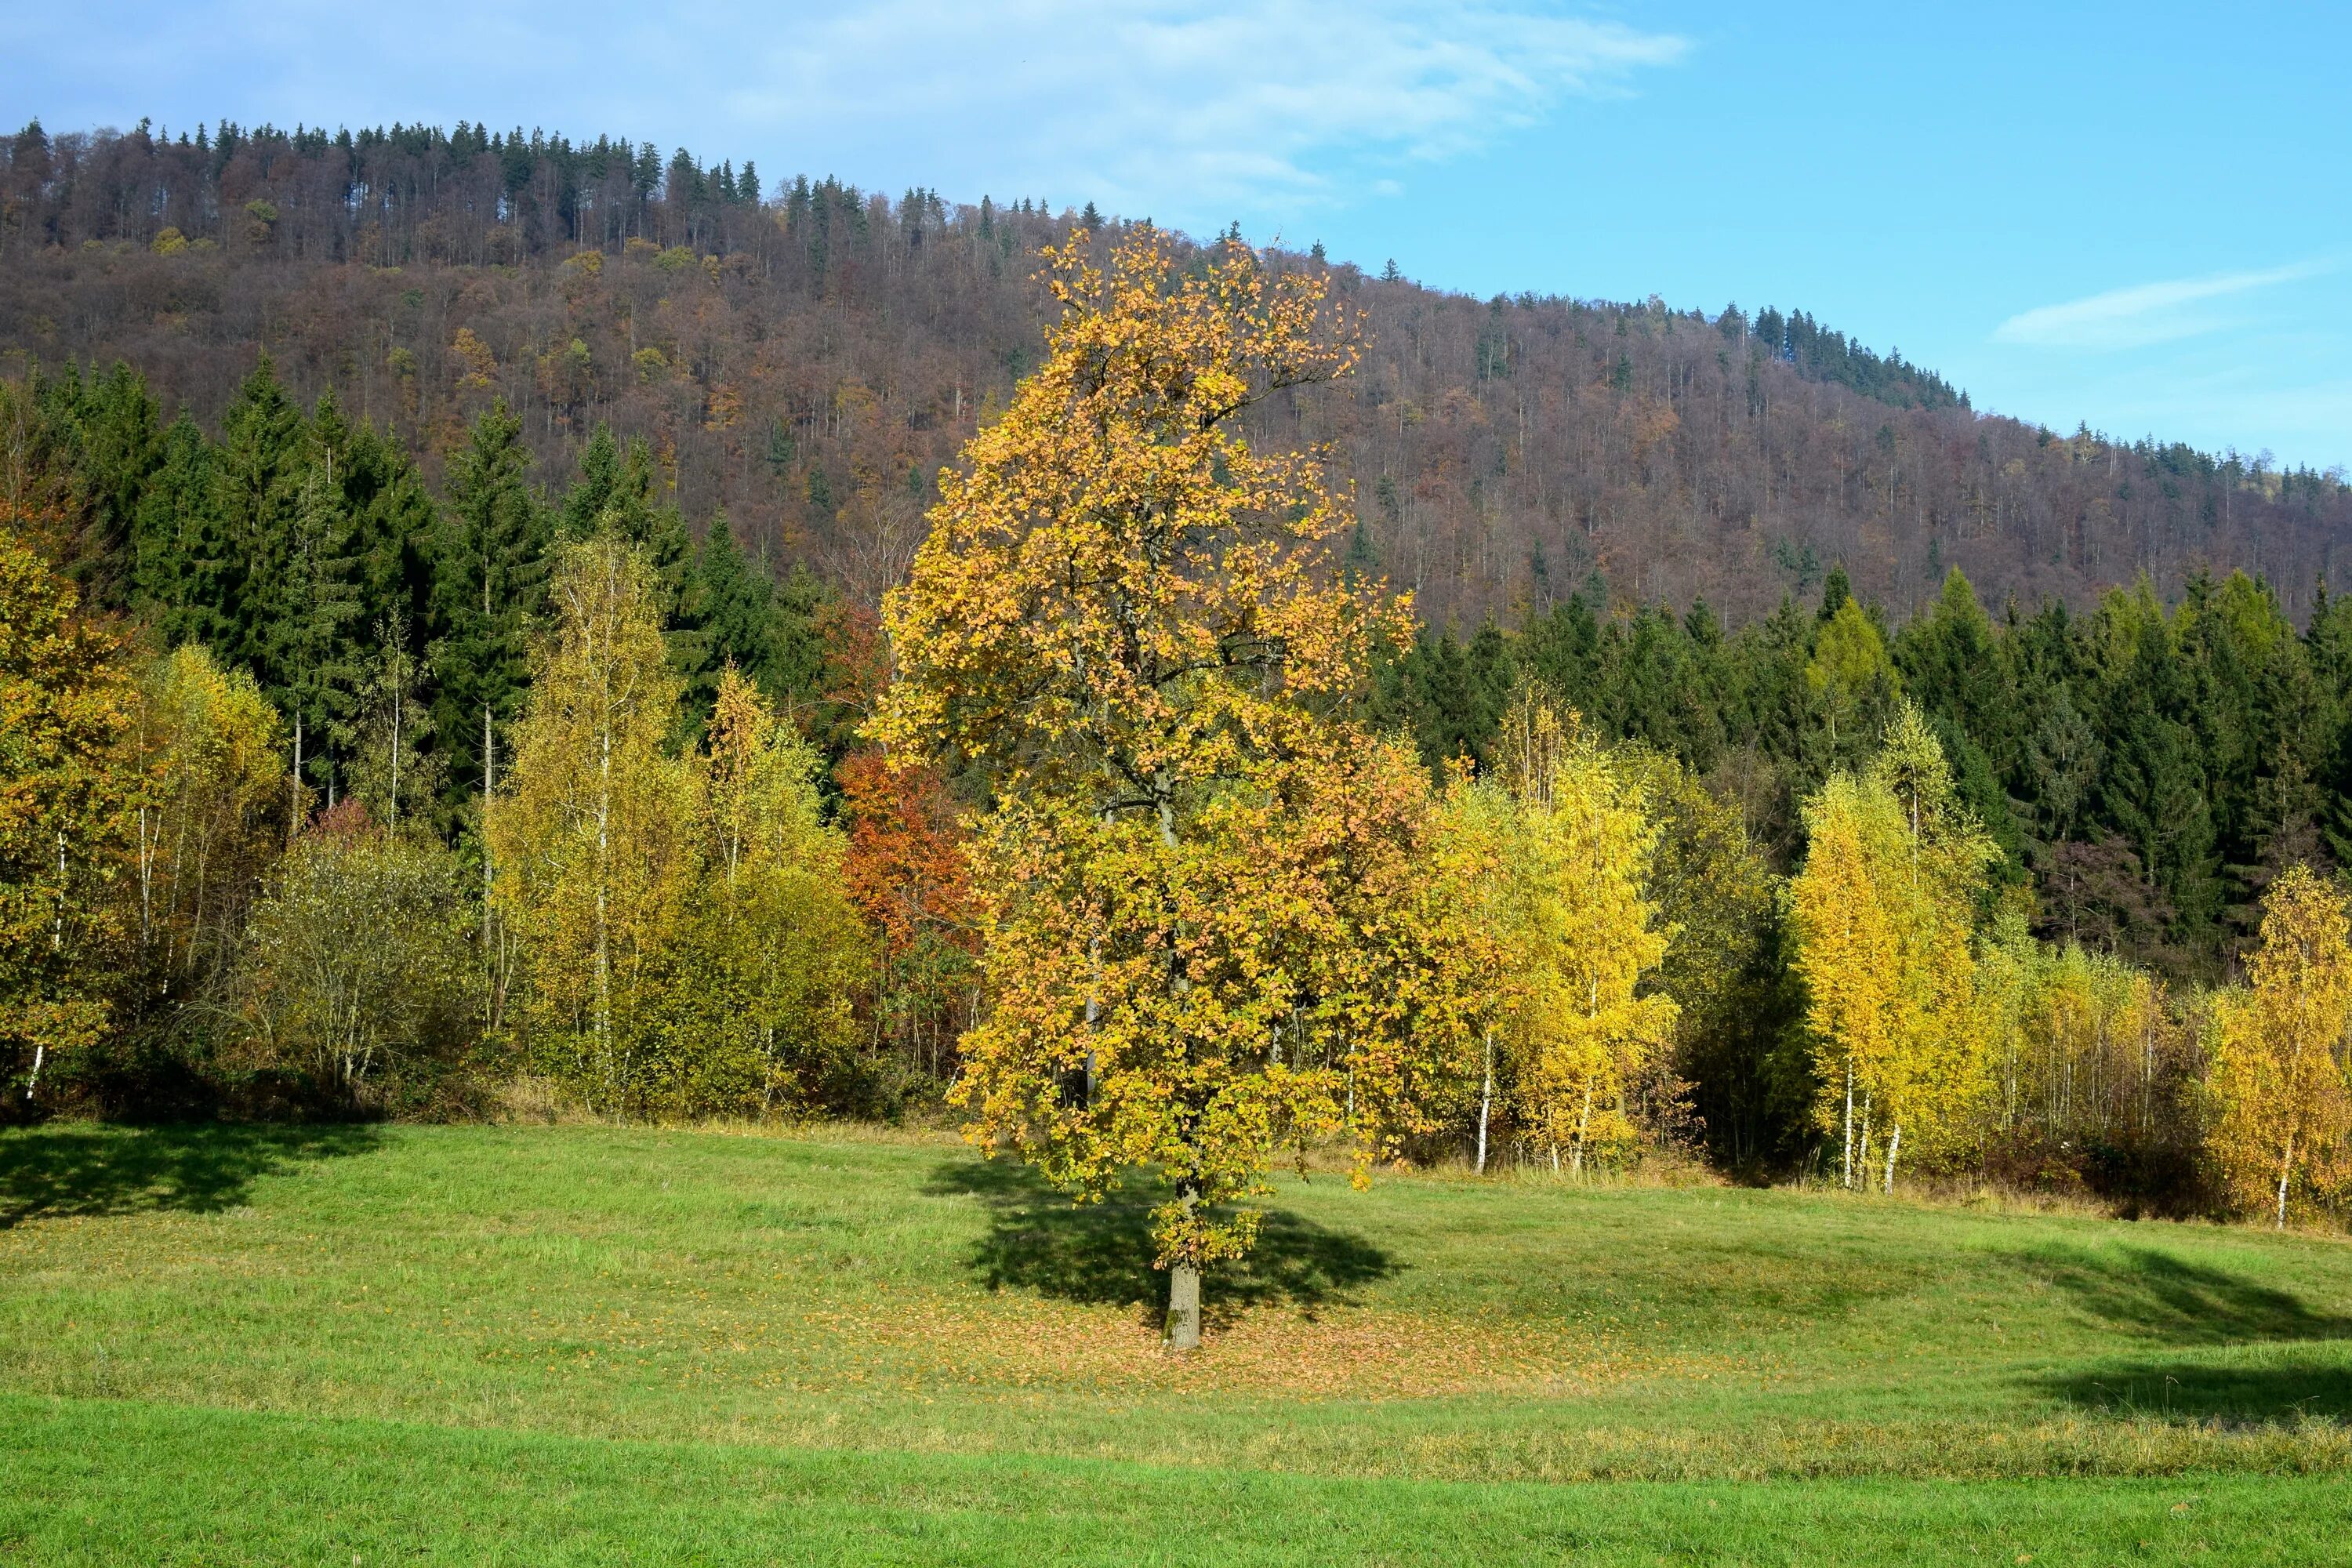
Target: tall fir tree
(490, 587)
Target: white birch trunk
(1849, 1124)
(1485, 1102)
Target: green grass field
(583, 1344)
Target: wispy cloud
(1193, 110)
(1135, 102)
(2145, 313)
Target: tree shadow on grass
(2157, 1296)
(1100, 1254)
(2264, 1389)
(83, 1169)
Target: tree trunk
(604, 909)
(1183, 1332)
(392, 808)
(1849, 1124)
(1485, 1102)
(1094, 1014)
(2286, 1169)
(490, 784)
(1894, 1142)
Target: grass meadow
(587, 1344)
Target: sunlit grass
(557, 1288)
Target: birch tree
(1582, 936)
(592, 840)
(2279, 1076)
(755, 1012)
(210, 818)
(1884, 914)
(65, 800)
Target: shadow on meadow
(1100, 1254)
(2157, 1296)
(2272, 1391)
(83, 1169)
(2295, 1372)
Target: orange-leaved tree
(2278, 1069)
(908, 872)
(1125, 618)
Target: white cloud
(1138, 102)
(2146, 313)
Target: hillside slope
(805, 356)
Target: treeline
(1230, 913)
(804, 357)
(2145, 772)
(323, 826)
(332, 786)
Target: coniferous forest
(496, 625)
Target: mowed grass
(544, 1344)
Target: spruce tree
(257, 474)
(489, 587)
(727, 623)
(178, 548)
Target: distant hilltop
(804, 356)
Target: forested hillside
(805, 356)
(480, 615)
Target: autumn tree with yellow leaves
(209, 820)
(685, 937)
(1125, 618)
(1883, 911)
(755, 1012)
(1580, 934)
(2279, 1076)
(66, 800)
(592, 842)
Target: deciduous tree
(356, 968)
(1124, 613)
(1884, 912)
(2279, 1077)
(64, 813)
(1582, 934)
(592, 838)
(755, 1014)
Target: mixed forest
(490, 624)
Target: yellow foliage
(2279, 1081)
(1582, 936)
(1884, 913)
(592, 847)
(1555, 853)
(476, 365)
(687, 943)
(214, 811)
(2085, 1050)
(757, 998)
(1849, 668)
(64, 799)
(1124, 614)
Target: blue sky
(2134, 215)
